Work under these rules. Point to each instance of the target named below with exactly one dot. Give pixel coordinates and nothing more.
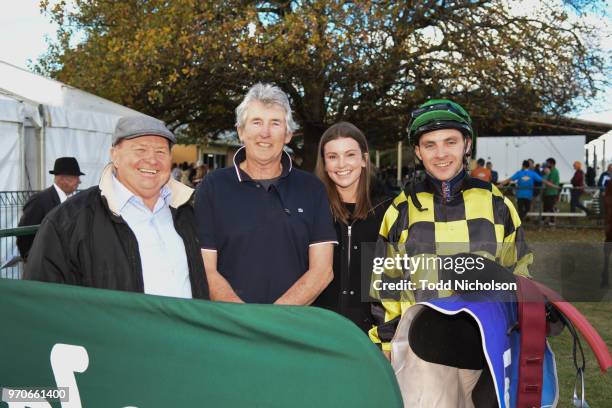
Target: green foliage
(189, 62)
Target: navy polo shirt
(262, 236)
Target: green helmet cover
(439, 114)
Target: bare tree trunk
(312, 134)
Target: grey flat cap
(130, 127)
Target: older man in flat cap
(134, 231)
(66, 179)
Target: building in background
(215, 154)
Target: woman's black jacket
(351, 277)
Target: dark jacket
(589, 177)
(34, 210)
(604, 178)
(344, 293)
(85, 242)
(578, 180)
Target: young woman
(343, 164)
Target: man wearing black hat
(67, 178)
(135, 231)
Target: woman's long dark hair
(364, 203)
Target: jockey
(446, 213)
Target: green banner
(113, 349)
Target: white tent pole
(22, 172)
(603, 156)
(377, 159)
(399, 163)
(43, 128)
(587, 157)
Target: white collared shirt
(162, 252)
(62, 196)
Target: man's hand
(315, 279)
(553, 185)
(503, 182)
(218, 286)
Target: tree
(368, 62)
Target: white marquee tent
(599, 152)
(42, 119)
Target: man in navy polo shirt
(265, 228)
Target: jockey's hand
(387, 355)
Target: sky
(23, 30)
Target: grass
(599, 313)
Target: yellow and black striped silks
(476, 219)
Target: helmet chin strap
(467, 153)
(466, 162)
(412, 171)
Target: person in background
(185, 173)
(577, 189)
(605, 280)
(589, 177)
(602, 183)
(67, 177)
(525, 180)
(532, 165)
(494, 174)
(343, 165)
(604, 178)
(481, 172)
(550, 195)
(192, 172)
(200, 172)
(176, 172)
(537, 185)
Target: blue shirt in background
(525, 180)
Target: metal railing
(591, 199)
(11, 208)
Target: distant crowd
(190, 174)
(533, 180)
